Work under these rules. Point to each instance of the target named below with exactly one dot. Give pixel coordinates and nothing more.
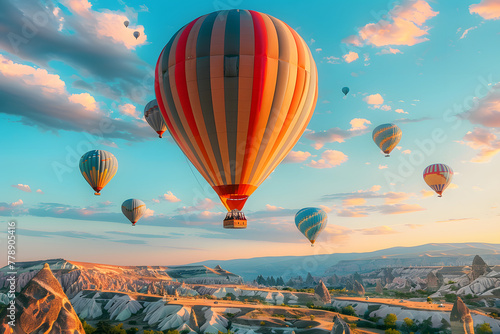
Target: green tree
(348, 310)
(102, 328)
(450, 297)
(312, 316)
(88, 329)
(426, 326)
(118, 329)
(390, 320)
(172, 331)
(392, 331)
(429, 300)
(409, 325)
(131, 330)
(230, 296)
(485, 328)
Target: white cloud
(270, 207)
(129, 110)
(350, 57)
(487, 9)
(296, 157)
(23, 187)
(332, 60)
(374, 99)
(17, 203)
(329, 159)
(359, 124)
(403, 26)
(466, 31)
(84, 99)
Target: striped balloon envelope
(154, 118)
(98, 168)
(438, 177)
(133, 209)
(386, 137)
(310, 222)
(237, 89)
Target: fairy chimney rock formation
(43, 307)
(358, 288)
(379, 289)
(432, 281)
(479, 267)
(322, 293)
(340, 326)
(460, 318)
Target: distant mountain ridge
(434, 254)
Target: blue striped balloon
(386, 137)
(133, 209)
(310, 222)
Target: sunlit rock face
(322, 293)
(460, 318)
(43, 307)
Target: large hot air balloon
(438, 177)
(310, 222)
(137, 34)
(133, 209)
(126, 23)
(386, 137)
(237, 89)
(345, 90)
(154, 118)
(98, 168)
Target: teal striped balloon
(311, 221)
(133, 209)
(386, 137)
(98, 167)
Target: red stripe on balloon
(182, 92)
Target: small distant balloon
(438, 177)
(126, 23)
(386, 137)
(98, 168)
(310, 222)
(153, 116)
(345, 90)
(133, 209)
(137, 34)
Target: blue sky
(73, 78)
